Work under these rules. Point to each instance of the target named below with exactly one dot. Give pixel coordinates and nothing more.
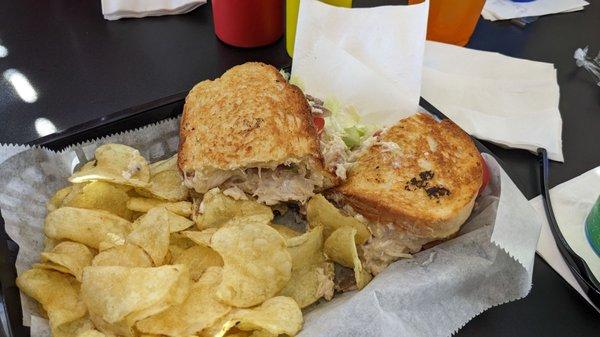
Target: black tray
(127, 119)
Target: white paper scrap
(370, 58)
(507, 9)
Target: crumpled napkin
(118, 9)
(505, 100)
(506, 9)
(571, 203)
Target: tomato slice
(319, 123)
(486, 175)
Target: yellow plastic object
(291, 18)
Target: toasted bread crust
(249, 117)
(430, 190)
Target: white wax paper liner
(433, 294)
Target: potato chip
(319, 212)
(238, 333)
(127, 255)
(306, 249)
(58, 197)
(262, 333)
(51, 266)
(167, 185)
(220, 328)
(277, 315)
(151, 233)
(91, 333)
(307, 285)
(217, 208)
(178, 243)
(72, 256)
(100, 195)
(341, 248)
(200, 310)
(169, 164)
(312, 277)
(183, 208)
(234, 332)
(86, 226)
(257, 264)
(202, 237)
(123, 328)
(49, 244)
(198, 259)
(176, 222)
(114, 293)
(285, 231)
(115, 163)
(78, 327)
(58, 294)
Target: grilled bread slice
(425, 186)
(249, 118)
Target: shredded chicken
(387, 245)
(317, 106)
(282, 184)
(335, 155)
(285, 183)
(339, 159)
(393, 150)
(326, 285)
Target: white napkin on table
(117, 9)
(506, 9)
(571, 203)
(505, 100)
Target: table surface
(83, 68)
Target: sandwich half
(415, 185)
(251, 131)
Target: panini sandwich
(251, 131)
(417, 184)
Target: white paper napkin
(117, 9)
(571, 202)
(367, 57)
(505, 100)
(506, 9)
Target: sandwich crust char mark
(421, 191)
(251, 130)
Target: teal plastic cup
(592, 227)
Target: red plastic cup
(248, 23)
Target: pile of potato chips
(131, 252)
